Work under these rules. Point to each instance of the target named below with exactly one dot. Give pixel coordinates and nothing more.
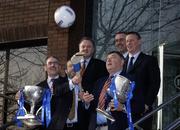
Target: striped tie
(52, 86)
(83, 67)
(102, 96)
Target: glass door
(169, 61)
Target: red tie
(83, 67)
(102, 97)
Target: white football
(64, 16)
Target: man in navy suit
(94, 69)
(114, 65)
(144, 70)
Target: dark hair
(121, 32)
(118, 53)
(134, 33)
(89, 39)
(52, 57)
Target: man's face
(87, 48)
(120, 42)
(52, 67)
(133, 43)
(114, 63)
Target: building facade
(28, 34)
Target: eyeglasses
(51, 63)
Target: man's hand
(17, 96)
(87, 98)
(146, 108)
(119, 108)
(76, 79)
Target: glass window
(19, 67)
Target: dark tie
(130, 64)
(102, 96)
(72, 111)
(83, 67)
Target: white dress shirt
(76, 91)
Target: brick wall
(33, 19)
(57, 37)
(22, 20)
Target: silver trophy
(122, 88)
(75, 59)
(32, 95)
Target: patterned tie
(72, 111)
(102, 96)
(130, 64)
(52, 86)
(83, 67)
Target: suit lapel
(138, 60)
(125, 64)
(87, 67)
(136, 64)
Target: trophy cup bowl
(122, 87)
(32, 95)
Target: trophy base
(29, 120)
(107, 115)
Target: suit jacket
(120, 117)
(61, 103)
(146, 75)
(94, 70)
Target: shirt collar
(125, 54)
(50, 78)
(135, 55)
(87, 60)
(116, 73)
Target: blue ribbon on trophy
(46, 107)
(77, 67)
(128, 105)
(21, 111)
(113, 92)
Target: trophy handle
(38, 110)
(25, 110)
(106, 114)
(80, 85)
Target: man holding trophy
(60, 97)
(93, 69)
(102, 100)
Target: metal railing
(175, 124)
(169, 127)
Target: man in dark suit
(144, 70)
(61, 96)
(94, 69)
(61, 100)
(114, 65)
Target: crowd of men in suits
(144, 71)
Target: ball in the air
(64, 16)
